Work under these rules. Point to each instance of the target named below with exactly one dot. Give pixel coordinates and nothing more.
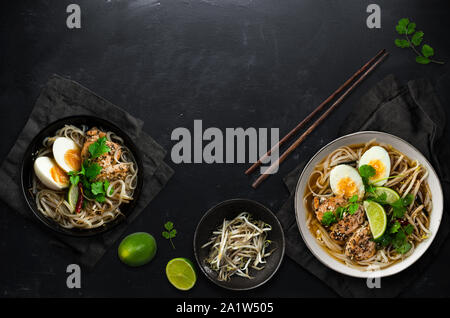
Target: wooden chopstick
(312, 114)
(316, 123)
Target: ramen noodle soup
(368, 205)
(83, 176)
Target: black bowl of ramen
(28, 174)
(228, 210)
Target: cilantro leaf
(168, 226)
(398, 212)
(417, 38)
(401, 27)
(395, 227)
(410, 28)
(353, 199)
(367, 171)
(100, 198)
(401, 43)
(403, 247)
(384, 240)
(427, 50)
(97, 188)
(422, 60)
(408, 199)
(403, 22)
(328, 218)
(409, 229)
(93, 170)
(352, 208)
(99, 148)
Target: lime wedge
(181, 273)
(377, 218)
(391, 195)
(72, 196)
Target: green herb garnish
(366, 172)
(170, 233)
(331, 217)
(92, 170)
(407, 28)
(89, 172)
(397, 235)
(399, 206)
(328, 218)
(99, 148)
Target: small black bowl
(229, 210)
(30, 155)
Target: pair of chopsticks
(365, 71)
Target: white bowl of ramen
(381, 267)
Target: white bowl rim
(383, 272)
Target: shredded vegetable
(238, 245)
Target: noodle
(53, 204)
(408, 177)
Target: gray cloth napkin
(63, 98)
(413, 113)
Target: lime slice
(72, 196)
(181, 273)
(391, 195)
(377, 218)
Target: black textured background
(231, 63)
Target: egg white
(345, 171)
(381, 155)
(42, 167)
(60, 146)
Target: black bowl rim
(231, 201)
(50, 224)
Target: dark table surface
(231, 63)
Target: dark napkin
(63, 98)
(413, 113)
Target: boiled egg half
(346, 181)
(67, 154)
(378, 158)
(50, 174)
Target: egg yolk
(379, 169)
(59, 175)
(73, 159)
(347, 187)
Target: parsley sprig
(408, 28)
(90, 170)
